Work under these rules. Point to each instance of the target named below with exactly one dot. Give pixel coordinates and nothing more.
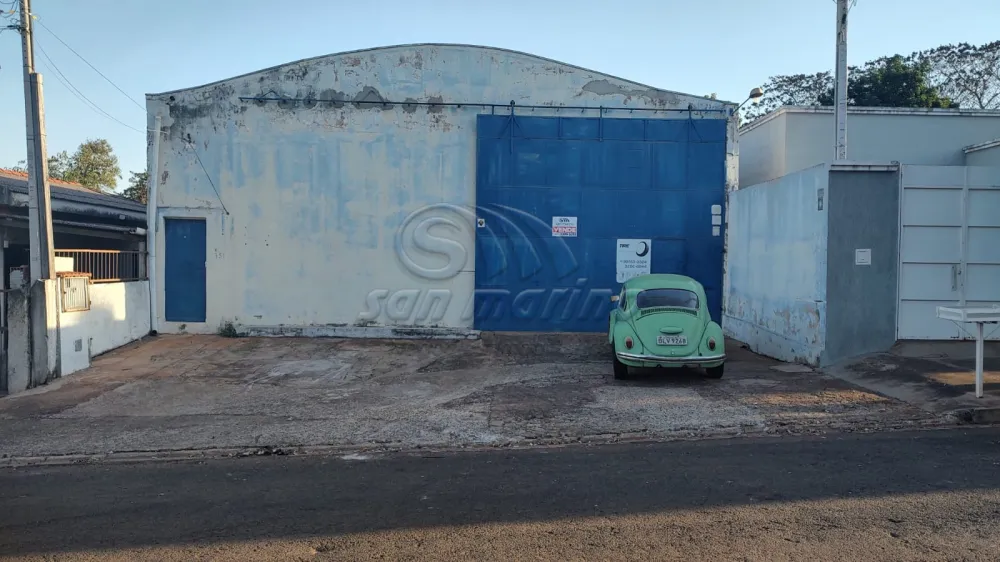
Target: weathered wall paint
(797, 138)
(861, 299)
(18, 342)
(304, 199)
(776, 285)
(25, 321)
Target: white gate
(949, 247)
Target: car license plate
(671, 340)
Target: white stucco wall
(762, 151)
(119, 314)
(775, 293)
(308, 197)
(794, 139)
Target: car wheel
(715, 372)
(620, 369)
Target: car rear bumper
(641, 360)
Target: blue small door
(184, 270)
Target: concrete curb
(362, 452)
(115, 457)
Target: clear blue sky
(697, 46)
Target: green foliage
(59, 165)
(93, 165)
(959, 75)
(891, 82)
(228, 330)
(795, 89)
(138, 187)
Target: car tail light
(628, 342)
(711, 343)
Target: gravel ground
(199, 392)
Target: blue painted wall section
(622, 178)
(184, 275)
(777, 259)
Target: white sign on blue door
(564, 226)
(634, 257)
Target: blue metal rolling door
(621, 178)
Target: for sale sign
(564, 226)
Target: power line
(209, 177)
(76, 91)
(137, 104)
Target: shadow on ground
(935, 376)
(331, 504)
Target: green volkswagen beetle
(663, 321)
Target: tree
(94, 165)
(58, 164)
(138, 187)
(966, 73)
(796, 89)
(959, 75)
(891, 82)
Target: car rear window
(651, 298)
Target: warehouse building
(428, 189)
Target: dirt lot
(204, 392)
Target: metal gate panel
(949, 248)
(655, 179)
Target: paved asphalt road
(932, 495)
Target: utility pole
(39, 200)
(43, 332)
(840, 90)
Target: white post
(151, 222)
(979, 359)
(840, 87)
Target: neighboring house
(94, 233)
(82, 219)
(795, 138)
(441, 187)
(830, 260)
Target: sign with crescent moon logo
(634, 258)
